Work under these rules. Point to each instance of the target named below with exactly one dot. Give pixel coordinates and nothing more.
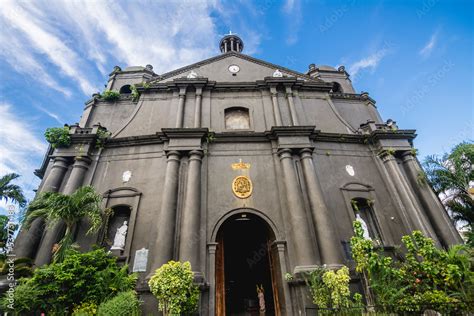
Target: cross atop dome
(231, 43)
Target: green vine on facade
(102, 136)
(58, 136)
(110, 95)
(135, 94)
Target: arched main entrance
(244, 261)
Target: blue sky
(415, 58)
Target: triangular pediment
(250, 69)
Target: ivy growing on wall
(58, 136)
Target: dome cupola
(231, 43)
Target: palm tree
(56, 207)
(10, 191)
(452, 176)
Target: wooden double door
(245, 260)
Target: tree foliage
(427, 277)
(330, 289)
(58, 136)
(91, 277)
(172, 284)
(11, 192)
(451, 176)
(54, 207)
(124, 304)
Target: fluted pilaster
(304, 251)
(433, 208)
(181, 100)
(26, 244)
(291, 105)
(326, 234)
(197, 108)
(163, 247)
(412, 208)
(276, 106)
(190, 221)
(53, 235)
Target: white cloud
(370, 62)
(34, 27)
(426, 51)
(292, 10)
(50, 114)
(76, 40)
(20, 149)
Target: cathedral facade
(252, 172)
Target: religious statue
(277, 74)
(261, 298)
(365, 228)
(119, 239)
(192, 75)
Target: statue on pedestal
(365, 228)
(261, 298)
(119, 239)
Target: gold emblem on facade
(242, 187)
(240, 165)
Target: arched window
(125, 89)
(336, 88)
(237, 118)
(363, 211)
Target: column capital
(60, 162)
(81, 162)
(173, 155)
(196, 155)
(306, 153)
(212, 247)
(407, 156)
(285, 153)
(182, 90)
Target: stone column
(180, 114)
(431, 204)
(53, 235)
(276, 107)
(291, 104)
(164, 243)
(326, 234)
(304, 251)
(197, 108)
(408, 200)
(27, 241)
(191, 217)
(212, 247)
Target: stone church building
(252, 172)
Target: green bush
(110, 95)
(123, 304)
(172, 284)
(58, 136)
(91, 277)
(85, 309)
(427, 277)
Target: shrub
(58, 136)
(85, 309)
(330, 289)
(172, 284)
(110, 95)
(123, 304)
(427, 277)
(102, 135)
(91, 277)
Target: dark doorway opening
(245, 240)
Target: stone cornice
(408, 134)
(353, 96)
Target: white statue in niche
(365, 228)
(350, 170)
(126, 176)
(192, 75)
(119, 239)
(277, 74)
